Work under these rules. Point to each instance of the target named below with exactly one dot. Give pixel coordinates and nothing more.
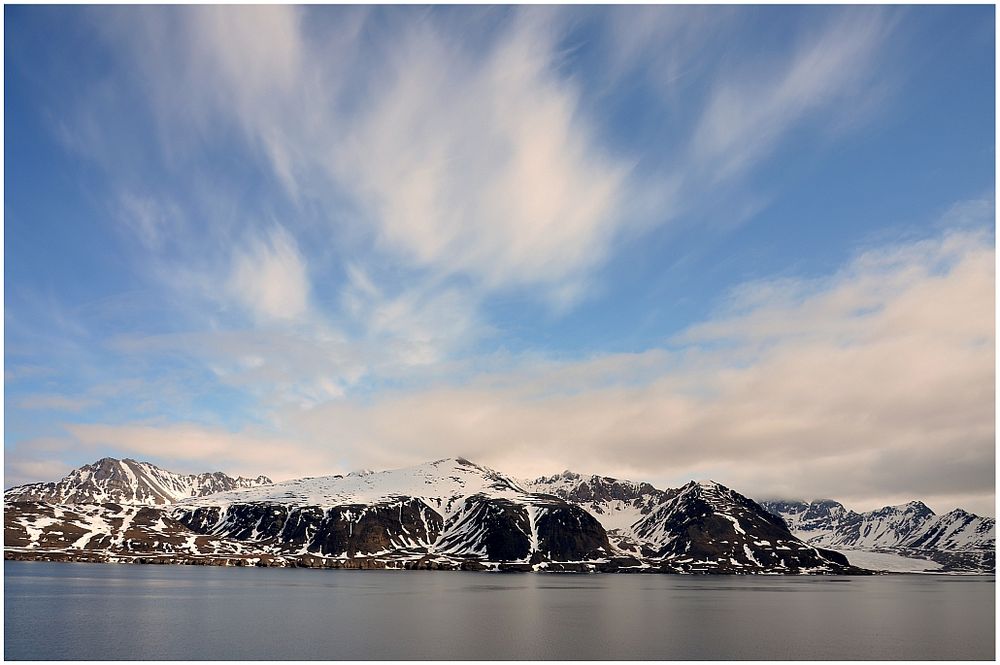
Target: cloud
(269, 277)
(149, 221)
(469, 159)
(21, 371)
(884, 292)
(873, 386)
(23, 471)
(749, 113)
(421, 325)
(192, 447)
(49, 402)
(485, 166)
(454, 151)
(864, 394)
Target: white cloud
(196, 448)
(475, 160)
(485, 166)
(150, 221)
(53, 402)
(749, 113)
(269, 277)
(475, 156)
(18, 471)
(864, 394)
(873, 386)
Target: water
(92, 611)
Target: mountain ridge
(958, 539)
(449, 513)
(128, 481)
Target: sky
(751, 244)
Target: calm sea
(91, 611)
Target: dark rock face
(836, 557)
(708, 527)
(569, 533)
(110, 532)
(364, 530)
(576, 488)
(351, 530)
(600, 495)
(498, 528)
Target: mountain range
(957, 540)
(130, 482)
(445, 514)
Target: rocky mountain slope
(111, 532)
(958, 540)
(447, 513)
(128, 482)
(450, 514)
(705, 526)
(616, 504)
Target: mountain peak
(915, 507)
(128, 482)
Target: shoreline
(319, 563)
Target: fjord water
(91, 611)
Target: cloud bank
(874, 385)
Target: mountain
(616, 504)
(702, 527)
(708, 524)
(115, 533)
(958, 540)
(128, 482)
(449, 514)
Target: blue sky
(656, 242)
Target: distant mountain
(128, 482)
(449, 514)
(958, 540)
(710, 523)
(617, 504)
(111, 532)
(702, 527)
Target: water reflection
(65, 611)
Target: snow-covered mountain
(958, 539)
(445, 513)
(617, 504)
(718, 527)
(449, 514)
(704, 526)
(111, 532)
(128, 482)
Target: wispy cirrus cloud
(270, 277)
(824, 80)
(55, 402)
(481, 157)
(486, 166)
